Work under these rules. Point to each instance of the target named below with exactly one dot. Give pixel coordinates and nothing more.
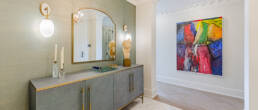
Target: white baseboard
(150, 93)
(202, 87)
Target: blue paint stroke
(217, 66)
(181, 50)
(180, 34)
(216, 48)
(193, 29)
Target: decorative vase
(127, 62)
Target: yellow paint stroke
(199, 28)
(217, 22)
(214, 32)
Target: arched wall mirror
(93, 36)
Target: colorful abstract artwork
(199, 46)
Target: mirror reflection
(93, 36)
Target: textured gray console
(88, 90)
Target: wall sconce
(125, 28)
(46, 25)
(127, 34)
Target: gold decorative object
(126, 50)
(112, 49)
(113, 65)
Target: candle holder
(61, 74)
(55, 70)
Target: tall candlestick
(55, 56)
(62, 58)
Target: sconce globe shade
(128, 37)
(47, 27)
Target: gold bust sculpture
(126, 50)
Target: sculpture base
(127, 62)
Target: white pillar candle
(55, 56)
(62, 58)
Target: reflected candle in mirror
(55, 55)
(62, 58)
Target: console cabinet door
(128, 86)
(138, 81)
(100, 93)
(135, 83)
(68, 97)
(122, 89)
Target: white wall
(246, 55)
(251, 56)
(232, 81)
(145, 44)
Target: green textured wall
(25, 54)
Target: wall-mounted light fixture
(127, 34)
(125, 28)
(46, 25)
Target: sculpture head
(112, 49)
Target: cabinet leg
(142, 98)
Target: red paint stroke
(207, 19)
(188, 35)
(180, 63)
(204, 59)
(197, 20)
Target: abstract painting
(199, 46)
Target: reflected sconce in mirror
(77, 16)
(127, 47)
(46, 25)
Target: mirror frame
(73, 36)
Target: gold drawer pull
(89, 97)
(132, 82)
(83, 100)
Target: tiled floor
(190, 99)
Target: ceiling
(165, 6)
(136, 2)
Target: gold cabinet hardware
(129, 87)
(83, 96)
(89, 97)
(132, 82)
